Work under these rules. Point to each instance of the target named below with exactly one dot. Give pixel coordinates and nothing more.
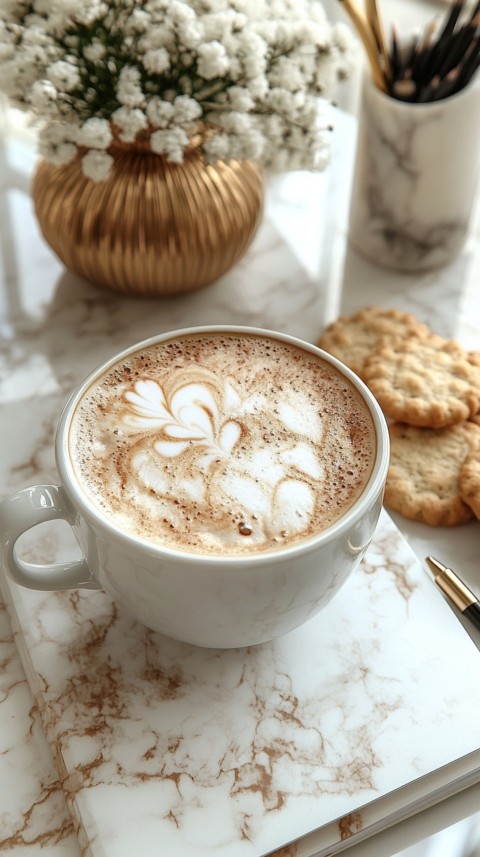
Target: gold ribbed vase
(153, 227)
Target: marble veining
(33, 811)
(56, 328)
(229, 753)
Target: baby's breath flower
(43, 97)
(64, 76)
(138, 22)
(217, 148)
(130, 122)
(95, 134)
(87, 14)
(159, 112)
(95, 51)
(212, 60)
(171, 143)
(240, 98)
(56, 143)
(97, 165)
(248, 73)
(181, 12)
(287, 74)
(258, 87)
(185, 109)
(243, 139)
(63, 7)
(129, 91)
(190, 34)
(156, 61)
(157, 37)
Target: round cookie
(423, 481)
(426, 381)
(352, 338)
(470, 482)
(474, 359)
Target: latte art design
(272, 483)
(191, 416)
(222, 444)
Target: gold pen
(456, 590)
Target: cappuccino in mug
(222, 443)
(222, 484)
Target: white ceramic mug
(210, 601)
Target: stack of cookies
(429, 390)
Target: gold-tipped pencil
(364, 31)
(375, 22)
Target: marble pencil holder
(414, 180)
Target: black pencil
(469, 64)
(395, 57)
(436, 51)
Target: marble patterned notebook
(363, 716)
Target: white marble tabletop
(55, 328)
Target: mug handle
(25, 510)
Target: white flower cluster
(245, 77)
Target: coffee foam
(222, 444)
